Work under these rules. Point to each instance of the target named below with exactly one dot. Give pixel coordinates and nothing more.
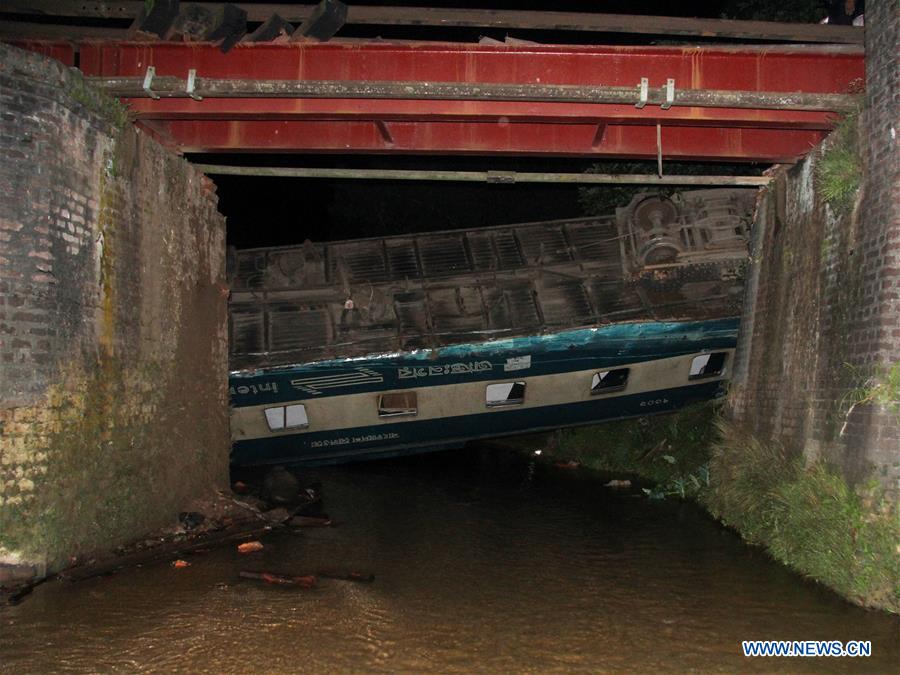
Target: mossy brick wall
(821, 319)
(113, 361)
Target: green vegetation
(874, 385)
(882, 389)
(603, 200)
(839, 169)
(100, 472)
(807, 517)
(670, 450)
(96, 100)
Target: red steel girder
(487, 127)
(825, 70)
(816, 69)
(61, 51)
(494, 111)
(488, 138)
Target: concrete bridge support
(113, 356)
(819, 357)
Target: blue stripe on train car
(582, 349)
(366, 442)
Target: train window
(275, 418)
(398, 404)
(607, 381)
(707, 365)
(295, 416)
(287, 417)
(505, 393)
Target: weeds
(839, 169)
(882, 389)
(807, 517)
(662, 448)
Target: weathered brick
(823, 325)
(108, 306)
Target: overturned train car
(376, 347)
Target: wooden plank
(157, 20)
(326, 20)
(604, 23)
(489, 18)
(273, 28)
(24, 30)
(127, 9)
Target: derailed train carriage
(376, 347)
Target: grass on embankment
(807, 517)
(671, 450)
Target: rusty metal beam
(488, 138)
(461, 111)
(173, 87)
(791, 72)
(487, 18)
(775, 69)
(554, 115)
(500, 177)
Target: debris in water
(277, 516)
(250, 547)
(191, 519)
(180, 563)
(615, 483)
(280, 486)
(304, 581)
(571, 464)
(347, 576)
(310, 521)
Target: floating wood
(243, 529)
(305, 581)
(310, 521)
(347, 576)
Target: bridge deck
(378, 125)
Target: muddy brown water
(483, 562)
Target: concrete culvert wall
(113, 357)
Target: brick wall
(821, 321)
(113, 408)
